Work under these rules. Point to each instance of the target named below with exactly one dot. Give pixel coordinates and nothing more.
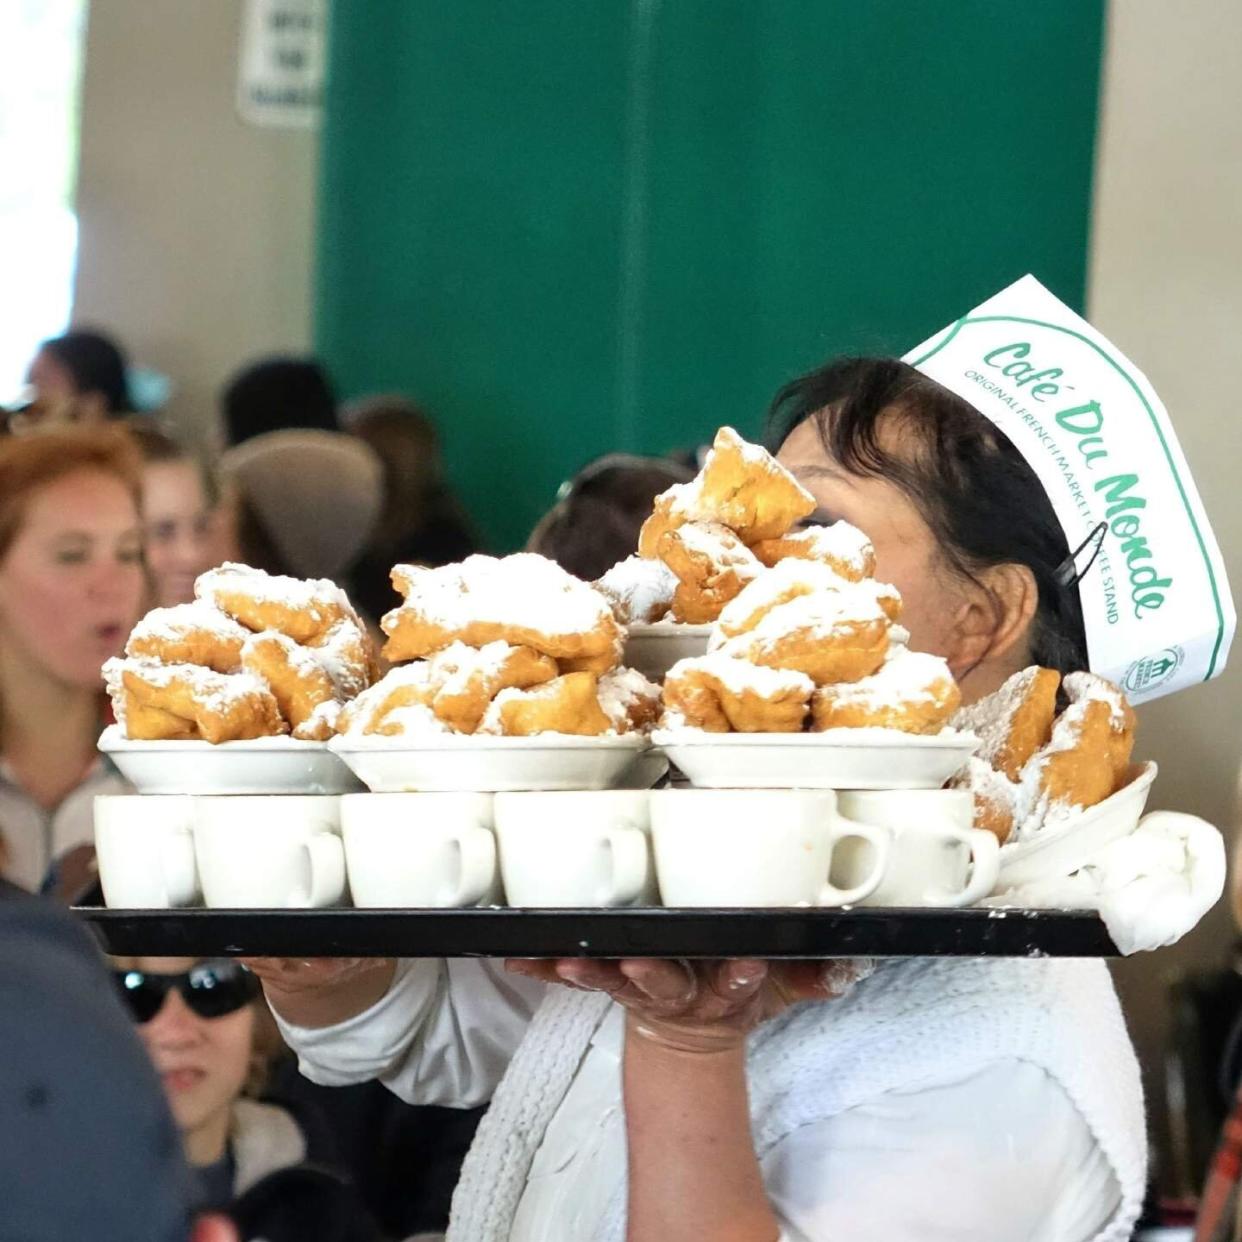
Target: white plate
(1062, 852)
(654, 649)
(834, 759)
(265, 765)
(490, 764)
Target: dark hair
(96, 364)
(277, 394)
(983, 502)
(422, 521)
(599, 512)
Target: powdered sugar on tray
(641, 590)
(524, 590)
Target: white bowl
(1059, 853)
(265, 765)
(834, 759)
(489, 764)
(654, 648)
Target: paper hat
(1156, 602)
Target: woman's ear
(993, 623)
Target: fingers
(665, 982)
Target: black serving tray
(499, 932)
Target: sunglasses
(210, 989)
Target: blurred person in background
(422, 522)
(300, 502)
(276, 394)
(78, 377)
(178, 513)
(599, 512)
(88, 1149)
(212, 1040)
(72, 585)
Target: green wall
(570, 226)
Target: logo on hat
(1153, 670)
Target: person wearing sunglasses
(210, 1040)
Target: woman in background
(177, 514)
(599, 512)
(77, 377)
(72, 585)
(422, 522)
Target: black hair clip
(1067, 572)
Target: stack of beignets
(707, 539)
(803, 647)
(510, 646)
(255, 655)
(1036, 769)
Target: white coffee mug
(756, 847)
(145, 851)
(272, 851)
(574, 847)
(418, 850)
(937, 859)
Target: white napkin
(1150, 888)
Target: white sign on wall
(280, 74)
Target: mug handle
(880, 839)
(984, 868)
(178, 870)
(325, 857)
(476, 868)
(627, 848)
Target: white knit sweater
(913, 1024)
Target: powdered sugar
(343, 654)
(817, 618)
(640, 590)
(719, 545)
(687, 501)
(316, 597)
(1086, 687)
(991, 717)
(369, 705)
(523, 590)
(740, 676)
(839, 542)
(175, 623)
(905, 677)
(453, 668)
(622, 693)
(216, 692)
